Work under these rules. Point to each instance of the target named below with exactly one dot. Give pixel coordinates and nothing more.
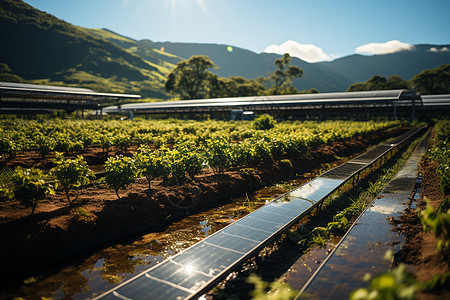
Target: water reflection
(115, 264)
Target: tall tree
(434, 81)
(282, 77)
(190, 78)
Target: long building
(30, 99)
(389, 102)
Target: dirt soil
(56, 231)
(419, 252)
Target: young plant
(122, 172)
(71, 174)
(264, 122)
(7, 147)
(151, 165)
(437, 222)
(397, 283)
(29, 186)
(219, 154)
(277, 290)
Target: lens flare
(230, 49)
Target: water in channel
(101, 271)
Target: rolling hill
(405, 63)
(44, 49)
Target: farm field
(162, 171)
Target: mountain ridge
(43, 49)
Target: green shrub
(71, 173)
(122, 141)
(44, 144)
(264, 122)
(219, 154)
(121, 172)
(7, 146)
(397, 283)
(277, 290)
(105, 142)
(437, 222)
(151, 164)
(29, 186)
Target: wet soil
(57, 231)
(419, 252)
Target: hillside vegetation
(40, 48)
(48, 50)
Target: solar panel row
(362, 249)
(198, 268)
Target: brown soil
(57, 231)
(419, 252)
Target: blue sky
(314, 29)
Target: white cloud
(309, 53)
(384, 48)
(434, 49)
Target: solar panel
(199, 267)
(362, 249)
(346, 170)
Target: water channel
(101, 271)
(94, 274)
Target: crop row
(73, 137)
(438, 220)
(234, 145)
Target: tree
(396, 82)
(283, 75)
(190, 78)
(378, 82)
(5, 74)
(434, 81)
(235, 86)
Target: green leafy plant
(277, 290)
(440, 151)
(71, 174)
(7, 146)
(44, 144)
(122, 141)
(218, 154)
(264, 122)
(121, 172)
(151, 164)
(29, 186)
(395, 284)
(437, 222)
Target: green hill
(245, 63)
(407, 63)
(44, 49)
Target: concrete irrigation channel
(197, 269)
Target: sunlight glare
(189, 269)
(175, 5)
